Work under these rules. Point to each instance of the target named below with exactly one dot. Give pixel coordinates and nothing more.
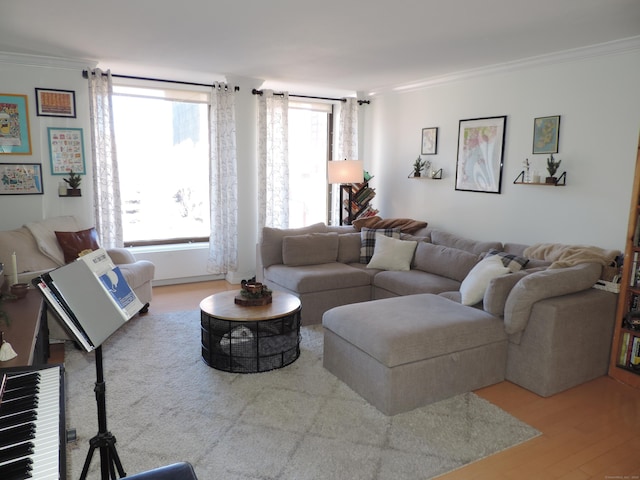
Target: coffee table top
(222, 306)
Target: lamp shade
(345, 171)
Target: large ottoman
(405, 352)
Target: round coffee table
(242, 339)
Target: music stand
(92, 300)
(104, 439)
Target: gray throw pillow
(309, 249)
(444, 261)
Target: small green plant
(418, 167)
(552, 165)
(74, 179)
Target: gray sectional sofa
(450, 316)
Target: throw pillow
(73, 243)
(392, 254)
(509, 260)
(475, 284)
(309, 249)
(368, 241)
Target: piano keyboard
(31, 443)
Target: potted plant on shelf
(418, 167)
(73, 181)
(552, 168)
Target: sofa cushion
(413, 282)
(474, 246)
(349, 247)
(430, 326)
(392, 253)
(309, 249)
(445, 261)
(511, 261)
(475, 283)
(498, 290)
(28, 257)
(316, 278)
(368, 241)
(545, 284)
(271, 244)
(74, 243)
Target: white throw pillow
(476, 282)
(392, 254)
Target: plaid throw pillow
(512, 262)
(368, 240)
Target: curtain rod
(85, 74)
(360, 102)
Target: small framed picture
(55, 103)
(21, 179)
(429, 141)
(546, 132)
(66, 151)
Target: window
(309, 126)
(162, 141)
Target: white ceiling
(320, 46)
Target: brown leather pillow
(72, 243)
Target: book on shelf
(634, 357)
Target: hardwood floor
(590, 431)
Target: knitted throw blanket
(570, 255)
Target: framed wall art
(21, 179)
(55, 103)
(546, 133)
(480, 152)
(15, 138)
(66, 151)
(429, 141)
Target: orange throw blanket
(406, 225)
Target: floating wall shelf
(560, 182)
(437, 175)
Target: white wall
(599, 104)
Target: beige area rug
(165, 405)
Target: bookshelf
(625, 350)
(357, 203)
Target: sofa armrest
(121, 256)
(545, 284)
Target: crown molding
(615, 47)
(44, 61)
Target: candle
(14, 269)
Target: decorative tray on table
(253, 294)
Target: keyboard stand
(105, 441)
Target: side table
(250, 339)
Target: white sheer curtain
(345, 144)
(273, 158)
(106, 180)
(223, 179)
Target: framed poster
(66, 151)
(21, 179)
(429, 141)
(480, 151)
(15, 138)
(55, 103)
(546, 133)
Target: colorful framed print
(546, 133)
(55, 103)
(66, 151)
(15, 138)
(480, 152)
(21, 179)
